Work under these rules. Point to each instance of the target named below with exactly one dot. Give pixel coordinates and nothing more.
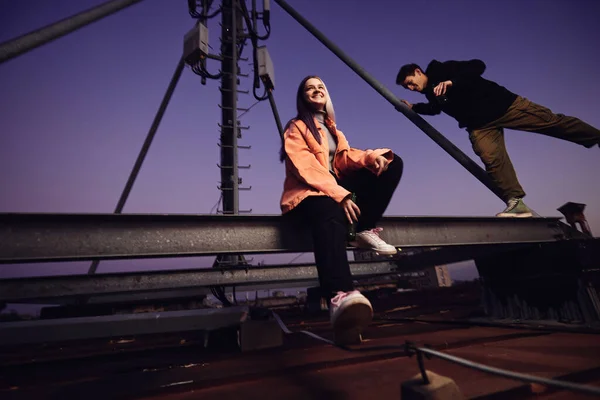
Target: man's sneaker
(350, 313)
(516, 208)
(370, 240)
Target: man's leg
(488, 144)
(525, 115)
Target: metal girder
(149, 284)
(79, 285)
(53, 330)
(38, 237)
(155, 296)
(39, 37)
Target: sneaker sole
(382, 252)
(520, 215)
(386, 252)
(350, 324)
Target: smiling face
(315, 94)
(416, 82)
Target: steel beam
(144, 285)
(77, 285)
(40, 237)
(32, 40)
(53, 330)
(156, 296)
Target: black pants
(329, 225)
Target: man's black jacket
(472, 100)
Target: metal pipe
(15, 47)
(146, 146)
(254, 28)
(416, 119)
(275, 112)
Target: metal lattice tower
(232, 32)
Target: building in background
(426, 278)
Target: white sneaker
(350, 313)
(370, 240)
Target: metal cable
(313, 335)
(509, 374)
(275, 113)
(466, 363)
(248, 109)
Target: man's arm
(460, 72)
(425, 108)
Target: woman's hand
(350, 209)
(381, 164)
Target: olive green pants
(524, 115)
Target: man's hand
(441, 88)
(381, 163)
(407, 103)
(350, 209)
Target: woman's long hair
(305, 113)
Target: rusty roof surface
(179, 366)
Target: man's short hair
(406, 70)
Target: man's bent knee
(491, 160)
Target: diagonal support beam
(32, 40)
(415, 118)
(146, 146)
(39, 237)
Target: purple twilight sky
(75, 112)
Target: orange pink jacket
(307, 164)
